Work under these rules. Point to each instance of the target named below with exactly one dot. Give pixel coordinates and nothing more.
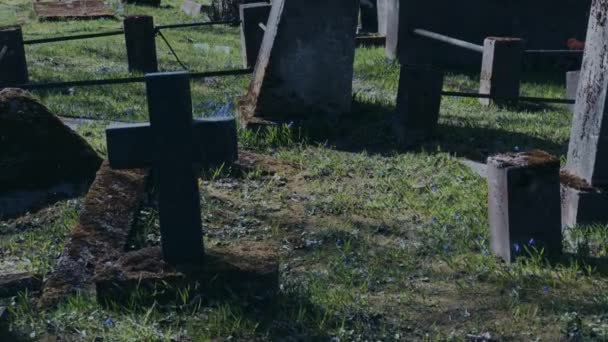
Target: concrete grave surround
(587, 164)
(54, 10)
(305, 64)
(41, 159)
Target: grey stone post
(572, 78)
(524, 203)
(501, 68)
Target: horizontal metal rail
(449, 40)
(74, 37)
(141, 79)
(119, 32)
(557, 52)
(519, 98)
(208, 23)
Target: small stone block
(191, 7)
(251, 33)
(249, 269)
(581, 203)
(572, 85)
(524, 204)
(418, 102)
(501, 68)
(382, 16)
(13, 66)
(153, 3)
(12, 284)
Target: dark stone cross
(173, 143)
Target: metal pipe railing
(449, 40)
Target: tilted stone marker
(252, 34)
(13, 66)
(524, 204)
(418, 102)
(305, 64)
(172, 143)
(585, 198)
(501, 69)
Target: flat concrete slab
(56, 10)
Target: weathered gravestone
(41, 159)
(253, 20)
(172, 143)
(305, 64)
(585, 199)
(524, 204)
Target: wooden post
(141, 44)
(13, 65)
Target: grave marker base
(249, 269)
(582, 204)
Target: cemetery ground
(376, 242)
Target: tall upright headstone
(305, 64)
(584, 197)
(13, 66)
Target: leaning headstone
(587, 163)
(418, 102)
(140, 39)
(524, 204)
(253, 22)
(572, 78)
(13, 66)
(305, 64)
(41, 159)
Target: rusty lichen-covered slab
(103, 228)
(53, 10)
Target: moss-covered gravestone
(41, 159)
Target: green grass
(377, 242)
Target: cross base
(245, 270)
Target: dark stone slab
(140, 37)
(246, 270)
(13, 65)
(153, 3)
(572, 78)
(305, 64)
(524, 203)
(501, 68)
(214, 143)
(41, 159)
(418, 102)
(12, 284)
(252, 15)
(103, 228)
(589, 133)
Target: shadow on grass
(369, 129)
